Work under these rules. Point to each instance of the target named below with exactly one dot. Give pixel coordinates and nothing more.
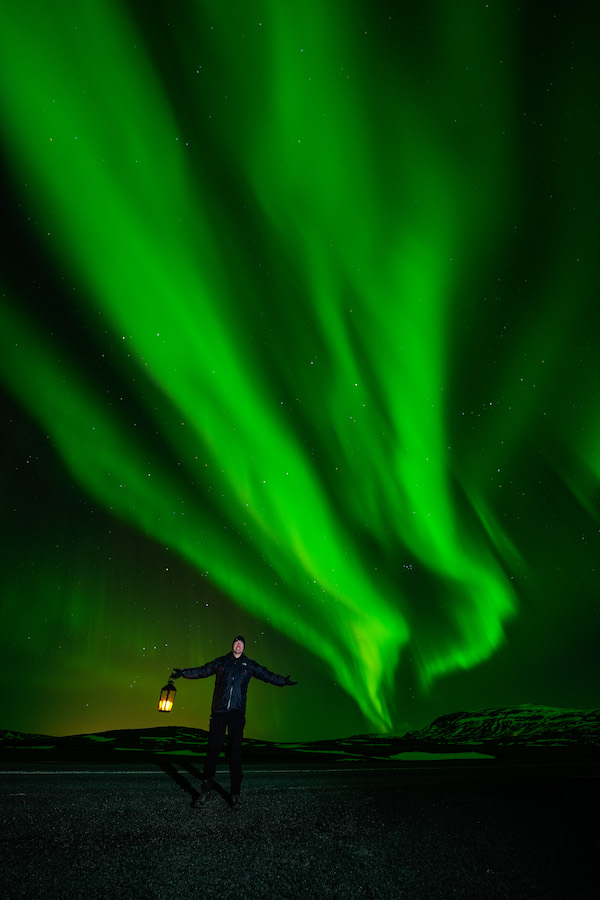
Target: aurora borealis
(299, 340)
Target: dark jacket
(232, 677)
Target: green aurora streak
(276, 219)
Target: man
(233, 672)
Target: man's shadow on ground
(183, 782)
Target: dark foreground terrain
(131, 830)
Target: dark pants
(235, 720)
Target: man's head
(238, 645)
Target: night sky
(299, 313)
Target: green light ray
(309, 418)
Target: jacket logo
(244, 664)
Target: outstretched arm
(197, 672)
(270, 677)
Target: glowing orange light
(167, 697)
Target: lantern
(167, 697)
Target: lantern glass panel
(167, 698)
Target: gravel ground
(144, 838)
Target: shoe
(205, 794)
(235, 801)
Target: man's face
(238, 648)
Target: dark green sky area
(299, 312)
